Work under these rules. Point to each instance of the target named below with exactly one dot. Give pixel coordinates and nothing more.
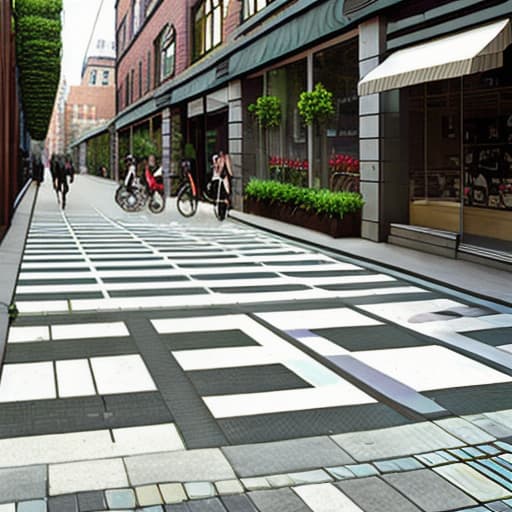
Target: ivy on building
(38, 52)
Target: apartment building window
(140, 79)
(148, 73)
(92, 77)
(127, 90)
(149, 5)
(167, 52)
(251, 7)
(136, 16)
(121, 36)
(207, 26)
(132, 85)
(106, 76)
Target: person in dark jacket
(63, 168)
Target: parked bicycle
(133, 194)
(187, 197)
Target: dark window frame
(204, 29)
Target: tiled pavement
(196, 366)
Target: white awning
(461, 54)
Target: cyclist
(222, 167)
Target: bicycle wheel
(186, 201)
(156, 202)
(127, 199)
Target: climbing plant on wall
(38, 50)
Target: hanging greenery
(267, 110)
(143, 146)
(315, 105)
(38, 50)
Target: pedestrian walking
(62, 170)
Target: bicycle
(217, 194)
(187, 196)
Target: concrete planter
(348, 226)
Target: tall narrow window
(92, 77)
(132, 85)
(167, 53)
(105, 78)
(148, 73)
(251, 7)
(140, 79)
(136, 16)
(207, 26)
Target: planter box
(348, 226)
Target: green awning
(297, 34)
(140, 112)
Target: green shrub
(315, 105)
(322, 201)
(267, 110)
(38, 52)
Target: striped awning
(452, 56)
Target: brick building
(431, 141)
(92, 103)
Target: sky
(78, 23)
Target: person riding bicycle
(131, 171)
(223, 169)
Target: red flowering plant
(344, 163)
(288, 170)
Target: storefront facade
(439, 96)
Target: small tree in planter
(267, 111)
(315, 108)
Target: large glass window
(286, 146)
(207, 26)
(336, 142)
(251, 7)
(165, 54)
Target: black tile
(494, 337)
(262, 289)
(250, 379)
(292, 425)
(91, 501)
(65, 503)
(208, 339)
(32, 297)
(474, 399)
(144, 279)
(372, 337)
(157, 291)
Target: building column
(114, 152)
(235, 127)
(383, 175)
(166, 149)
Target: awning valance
(473, 51)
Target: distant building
(56, 130)
(92, 103)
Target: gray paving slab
(429, 491)
(395, 442)
(120, 498)
(285, 456)
(24, 483)
(282, 500)
(493, 427)
(372, 494)
(200, 490)
(206, 465)
(64, 503)
(91, 501)
(317, 476)
(208, 505)
(465, 431)
(240, 503)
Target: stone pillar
(383, 182)
(166, 149)
(235, 126)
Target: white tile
(74, 378)
(43, 306)
(506, 348)
(472, 482)
(89, 330)
(8, 507)
(322, 346)
(380, 291)
(56, 288)
(27, 381)
(121, 374)
(147, 439)
(317, 319)
(249, 404)
(86, 476)
(325, 498)
(28, 334)
(431, 367)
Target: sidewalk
(485, 282)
